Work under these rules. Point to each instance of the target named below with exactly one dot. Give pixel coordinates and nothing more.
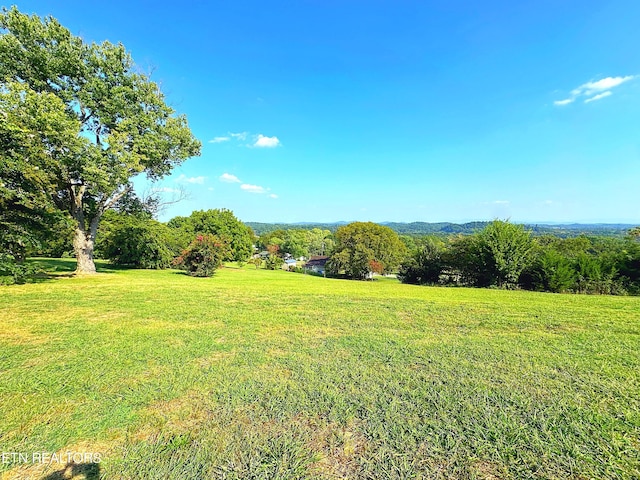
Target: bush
(551, 271)
(424, 266)
(255, 261)
(13, 271)
(273, 262)
(203, 256)
(136, 241)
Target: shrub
(136, 241)
(256, 261)
(424, 266)
(13, 271)
(273, 262)
(203, 256)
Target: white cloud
(239, 136)
(273, 195)
(219, 139)
(598, 97)
(228, 178)
(501, 202)
(608, 83)
(253, 188)
(184, 179)
(595, 90)
(210, 189)
(259, 140)
(567, 101)
(266, 142)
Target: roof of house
(317, 261)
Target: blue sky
(393, 110)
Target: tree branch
(110, 202)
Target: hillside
(447, 228)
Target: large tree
(223, 224)
(365, 247)
(124, 127)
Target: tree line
(505, 255)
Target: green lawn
(261, 374)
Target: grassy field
(260, 374)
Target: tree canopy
(365, 247)
(32, 126)
(111, 121)
(223, 224)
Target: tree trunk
(83, 248)
(83, 237)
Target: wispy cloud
(501, 202)
(253, 188)
(229, 178)
(266, 142)
(273, 195)
(598, 97)
(566, 101)
(258, 141)
(242, 136)
(608, 83)
(219, 139)
(184, 179)
(592, 91)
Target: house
(289, 264)
(316, 264)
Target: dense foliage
(365, 247)
(28, 215)
(221, 223)
(506, 256)
(203, 256)
(137, 241)
(299, 242)
(424, 265)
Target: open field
(261, 374)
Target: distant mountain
(447, 228)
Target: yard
(269, 374)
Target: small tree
(464, 262)
(256, 261)
(274, 260)
(506, 251)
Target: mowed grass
(259, 374)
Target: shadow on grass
(56, 268)
(187, 274)
(87, 471)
